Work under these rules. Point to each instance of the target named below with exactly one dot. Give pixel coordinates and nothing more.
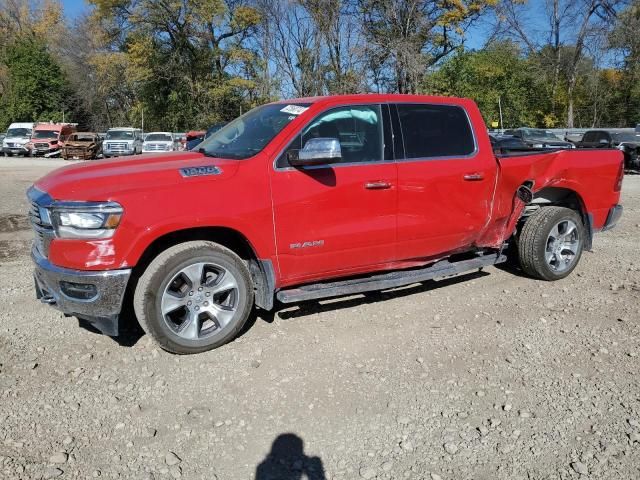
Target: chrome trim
(89, 207)
(613, 217)
(110, 285)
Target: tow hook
(48, 299)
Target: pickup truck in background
(628, 142)
(306, 199)
(48, 139)
(539, 138)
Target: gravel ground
(486, 376)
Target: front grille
(43, 231)
(41, 145)
(118, 147)
(76, 150)
(156, 147)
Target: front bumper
(615, 213)
(59, 288)
(16, 150)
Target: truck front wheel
(194, 297)
(551, 243)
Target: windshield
(45, 134)
(19, 132)
(119, 135)
(158, 137)
(250, 133)
(539, 134)
(82, 138)
(626, 137)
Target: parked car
(628, 142)
(82, 146)
(159, 142)
(16, 139)
(539, 138)
(307, 199)
(507, 143)
(49, 138)
(122, 141)
(194, 138)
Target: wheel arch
(563, 197)
(262, 272)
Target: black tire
(151, 286)
(533, 246)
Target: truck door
(445, 182)
(339, 218)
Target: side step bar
(384, 281)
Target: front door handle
(378, 185)
(474, 177)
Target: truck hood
(20, 140)
(107, 180)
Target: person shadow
(287, 461)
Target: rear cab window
(435, 131)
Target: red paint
(430, 208)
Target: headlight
(86, 220)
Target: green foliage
(186, 66)
(37, 87)
(497, 72)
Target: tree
(37, 88)
(625, 43)
(188, 63)
(574, 25)
(497, 73)
(408, 36)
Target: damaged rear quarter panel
(591, 174)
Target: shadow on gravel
(314, 306)
(130, 331)
(287, 461)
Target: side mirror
(317, 151)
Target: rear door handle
(378, 185)
(474, 177)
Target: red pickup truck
(305, 199)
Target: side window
(589, 137)
(357, 128)
(435, 131)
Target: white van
(16, 140)
(122, 141)
(159, 142)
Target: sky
(74, 8)
(475, 38)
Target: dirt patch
(13, 223)
(13, 250)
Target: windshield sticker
(294, 109)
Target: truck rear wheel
(551, 243)
(194, 297)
